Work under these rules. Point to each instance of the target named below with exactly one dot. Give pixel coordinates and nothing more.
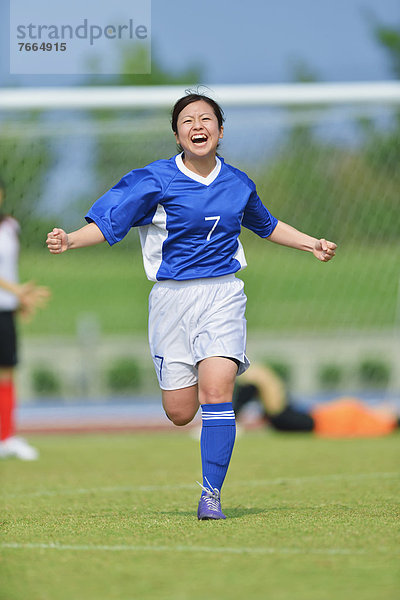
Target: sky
(257, 41)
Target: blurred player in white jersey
(14, 297)
(189, 210)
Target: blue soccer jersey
(189, 225)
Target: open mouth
(199, 138)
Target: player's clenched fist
(57, 241)
(324, 250)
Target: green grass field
(286, 289)
(112, 517)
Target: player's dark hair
(189, 98)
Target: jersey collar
(204, 180)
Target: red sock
(7, 405)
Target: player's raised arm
(59, 241)
(286, 235)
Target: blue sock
(216, 442)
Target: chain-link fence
(329, 170)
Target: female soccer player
(14, 297)
(189, 211)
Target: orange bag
(348, 417)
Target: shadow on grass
(231, 513)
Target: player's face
(198, 131)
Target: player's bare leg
(216, 380)
(181, 405)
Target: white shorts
(193, 320)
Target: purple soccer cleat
(210, 504)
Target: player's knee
(214, 395)
(179, 418)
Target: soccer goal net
(325, 159)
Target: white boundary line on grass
(180, 548)
(187, 486)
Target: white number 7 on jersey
(216, 219)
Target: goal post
(50, 98)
